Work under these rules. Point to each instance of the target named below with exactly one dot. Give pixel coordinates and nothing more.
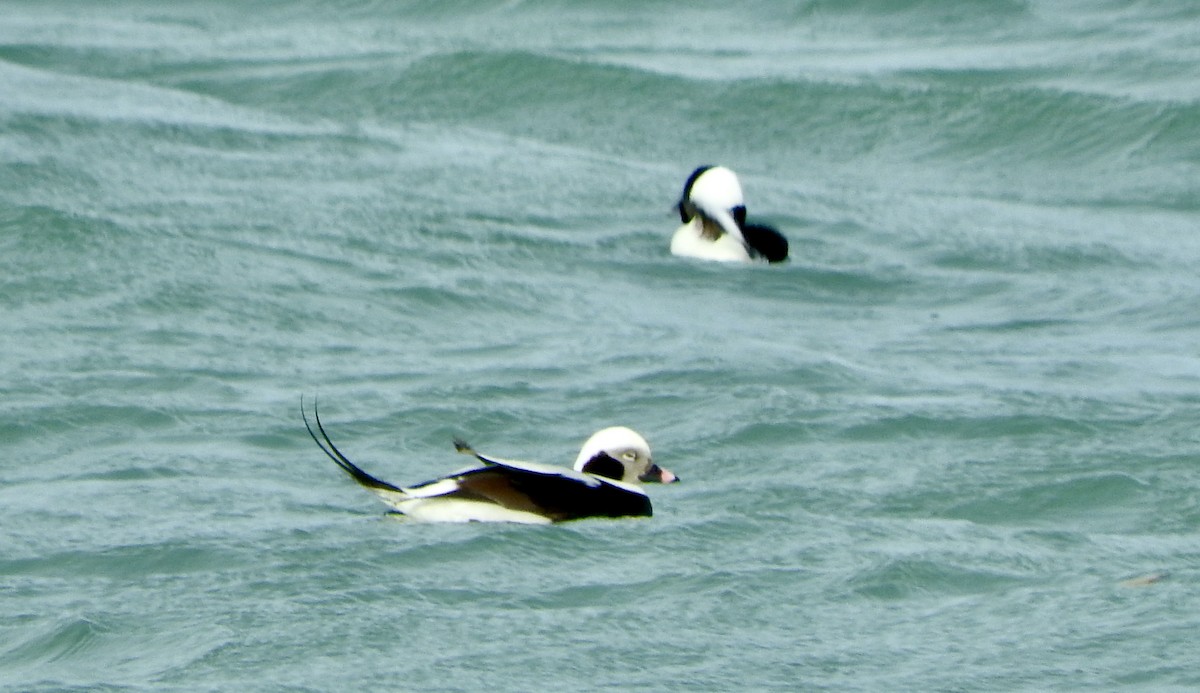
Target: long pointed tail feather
(336, 455)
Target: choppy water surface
(928, 453)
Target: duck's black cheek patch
(605, 466)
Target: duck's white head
(714, 193)
(622, 454)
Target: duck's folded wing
(553, 492)
(520, 465)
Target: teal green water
(927, 454)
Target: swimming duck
(604, 482)
(713, 212)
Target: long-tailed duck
(603, 483)
(713, 213)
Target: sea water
(950, 445)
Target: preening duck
(604, 482)
(713, 212)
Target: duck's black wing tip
(766, 242)
(465, 448)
